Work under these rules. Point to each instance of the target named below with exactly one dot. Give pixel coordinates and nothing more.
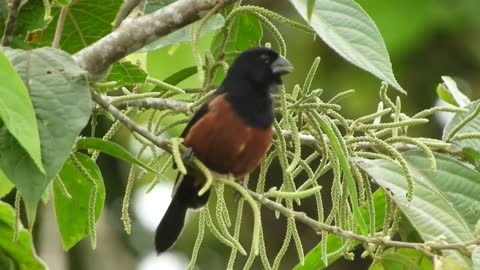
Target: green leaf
(184, 34)
(112, 149)
(85, 23)
(445, 95)
(21, 254)
(5, 185)
(64, 2)
(126, 73)
(177, 77)
(310, 6)
(3, 13)
(472, 126)
(444, 202)
(402, 259)
(348, 29)
(340, 152)
(181, 75)
(450, 86)
(16, 111)
(72, 213)
(246, 32)
(61, 99)
(449, 263)
(472, 156)
(313, 260)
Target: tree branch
(319, 227)
(126, 8)
(153, 103)
(129, 37)
(59, 29)
(306, 139)
(129, 123)
(14, 6)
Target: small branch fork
(97, 58)
(261, 198)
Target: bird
(230, 133)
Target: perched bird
(230, 133)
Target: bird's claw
(187, 156)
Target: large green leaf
(313, 260)
(348, 29)
(442, 202)
(61, 100)
(16, 111)
(112, 149)
(72, 213)
(19, 255)
(184, 34)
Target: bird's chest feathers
(225, 143)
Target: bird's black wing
(196, 116)
(200, 112)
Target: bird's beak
(281, 66)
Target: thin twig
(59, 29)
(321, 227)
(14, 6)
(129, 123)
(154, 103)
(126, 8)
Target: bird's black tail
(172, 222)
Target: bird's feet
(187, 156)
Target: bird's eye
(265, 58)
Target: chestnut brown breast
(224, 143)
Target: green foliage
(402, 259)
(72, 211)
(111, 149)
(442, 202)
(185, 34)
(335, 243)
(16, 111)
(126, 73)
(61, 100)
(85, 23)
(19, 255)
(449, 92)
(346, 28)
(41, 119)
(463, 130)
(5, 185)
(32, 20)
